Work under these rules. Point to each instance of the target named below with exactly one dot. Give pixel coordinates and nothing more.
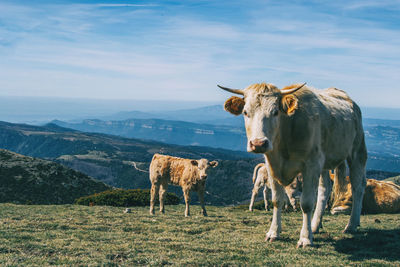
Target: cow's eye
(245, 113)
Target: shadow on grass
(371, 244)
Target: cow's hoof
(349, 230)
(205, 214)
(315, 229)
(271, 237)
(152, 212)
(304, 242)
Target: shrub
(258, 205)
(125, 198)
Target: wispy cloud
(180, 51)
(126, 5)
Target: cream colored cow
(303, 130)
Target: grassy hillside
(80, 235)
(123, 162)
(35, 181)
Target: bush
(258, 205)
(124, 198)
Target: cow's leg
(163, 190)
(358, 183)
(324, 190)
(155, 187)
(254, 193)
(200, 193)
(186, 195)
(265, 193)
(278, 200)
(307, 202)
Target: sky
(180, 50)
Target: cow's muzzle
(258, 145)
(203, 177)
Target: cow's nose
(204, 177)
(259, 144)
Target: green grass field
(81, 235)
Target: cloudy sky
(180, 50)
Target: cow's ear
(213, 163)
(194, 162)
(234, 105)
(289, 104)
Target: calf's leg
(200, 193)
(265, 193)
(324, 190)
(163, 190)
(155, 187)
(254, 193)
(186, 195)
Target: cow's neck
(283, 166)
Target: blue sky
(180, 50)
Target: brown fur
(234, 105)
(379, 197)
(187, 173)
(289, 104)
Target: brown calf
(189, 174)
(379, 197)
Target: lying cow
(189, 174)
(379, 197)
(260, 179)
(308, 131)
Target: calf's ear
(289, 104)
(194, 162)
(234, 105)
(213, 163)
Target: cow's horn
(289, 91)
(235, 91)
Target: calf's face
(203, 166)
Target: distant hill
(215, 115)
(167, 131)
(123, 162)
(383, 142)
(30, 180)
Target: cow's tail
(258, 166)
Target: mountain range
(123, 162)
(383, 142)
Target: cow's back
(329, 119)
